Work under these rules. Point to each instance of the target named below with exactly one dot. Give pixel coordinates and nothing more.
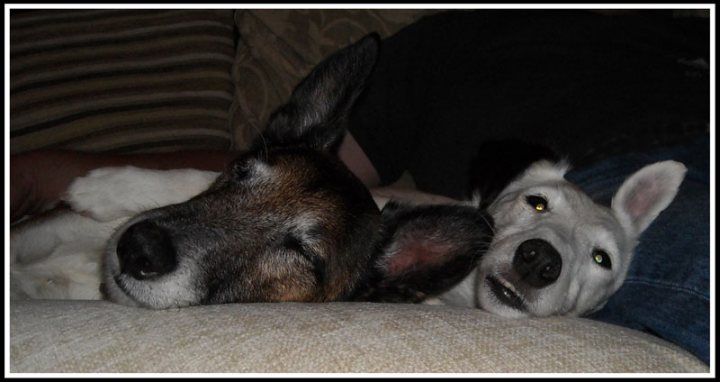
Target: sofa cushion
(99, 336)
(278, 47)
(121, 80)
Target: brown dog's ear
(315, 113)
(425, 251)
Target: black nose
(537, 262)
(146, 250)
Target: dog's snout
(146, 250)
(537, 262)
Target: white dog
(555, 251)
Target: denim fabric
(667, 291)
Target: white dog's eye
(602, 258)
(538, 203)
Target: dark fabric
(667, 289)
(584, 84)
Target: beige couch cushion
(137, 80)
(278, 47)
(98, 336)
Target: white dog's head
(557, 252)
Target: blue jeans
(667, 291)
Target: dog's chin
(158, 294)
(117, 294)
(112, 288)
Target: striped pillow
(121, 80)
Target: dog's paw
(101, 194)
(110, 193)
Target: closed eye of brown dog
(294, 244)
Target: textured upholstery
(97, 336)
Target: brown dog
(286, 221)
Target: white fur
(647, 193)
(113, 192)
(574, 225)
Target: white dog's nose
(537, 262)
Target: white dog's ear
(646, 193)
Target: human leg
(666, 292)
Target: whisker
(489, 224)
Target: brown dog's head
(286, 221)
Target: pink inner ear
(642, 198)
(421, 253)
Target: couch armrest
(98, 336)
